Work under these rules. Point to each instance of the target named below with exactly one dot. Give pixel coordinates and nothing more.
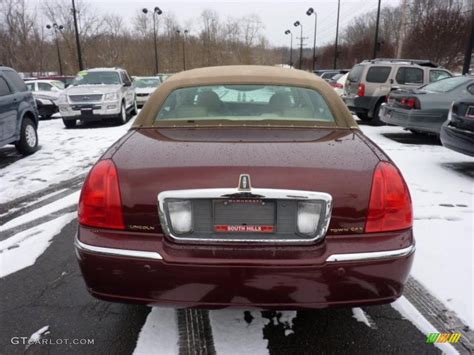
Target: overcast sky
(276, 15)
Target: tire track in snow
(40, 215)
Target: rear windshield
(245, 103)
(356, 73)
(448, 84)
(378, 74)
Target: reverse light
(180, 213)
(361, 90)
(100, 204)
(308, 217)
(390, 205)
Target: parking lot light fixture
(156, 12)
(55, 27)
(185, 32)
(288, 32)
(296, 24)
(309, 13)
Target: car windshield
(59, 84)
(245, 103)
(445, 85)
(96, 78)
(147, 82)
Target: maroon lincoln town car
(245, 186)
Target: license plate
(243, 229)
(244, 216)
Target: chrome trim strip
(118, 252)
(375, 255)
(276, 194)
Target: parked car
(338, 82)
(328, 74)
(18, 113)
(370, 82)
(248, 166)
(97, 95)
(46, 94)
(144, 87)
(424, 110)
(457, 133)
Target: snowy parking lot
(44, 296)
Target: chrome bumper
(348, 257)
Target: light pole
(376, 39)
(337, 33)
(78, 42)
(185, 32)
(288, 32)
(156, 12)
(309, 13)
(55, 27)
(296, 24)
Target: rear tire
(135, 108)
(28, 143)
(375, 121)
(69, 123)
(122, 116)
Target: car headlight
(308, 217)
(62, 99)
(111, 96)
(180, 214)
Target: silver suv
(369, 83)
(96, 95)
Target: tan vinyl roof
(244, 74)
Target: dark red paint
(340, 162)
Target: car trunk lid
(333, 161)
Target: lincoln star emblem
(244, 182)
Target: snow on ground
(443, 212)
(63, 154)
(22, 250)
(69, 200)
(229, 328)
(361, 316)
(409, 312)
(159, 334)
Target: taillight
(100, 204)
(337, 85)
(410, 102)
(390, 206)
(361, 90)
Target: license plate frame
(244, 216)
